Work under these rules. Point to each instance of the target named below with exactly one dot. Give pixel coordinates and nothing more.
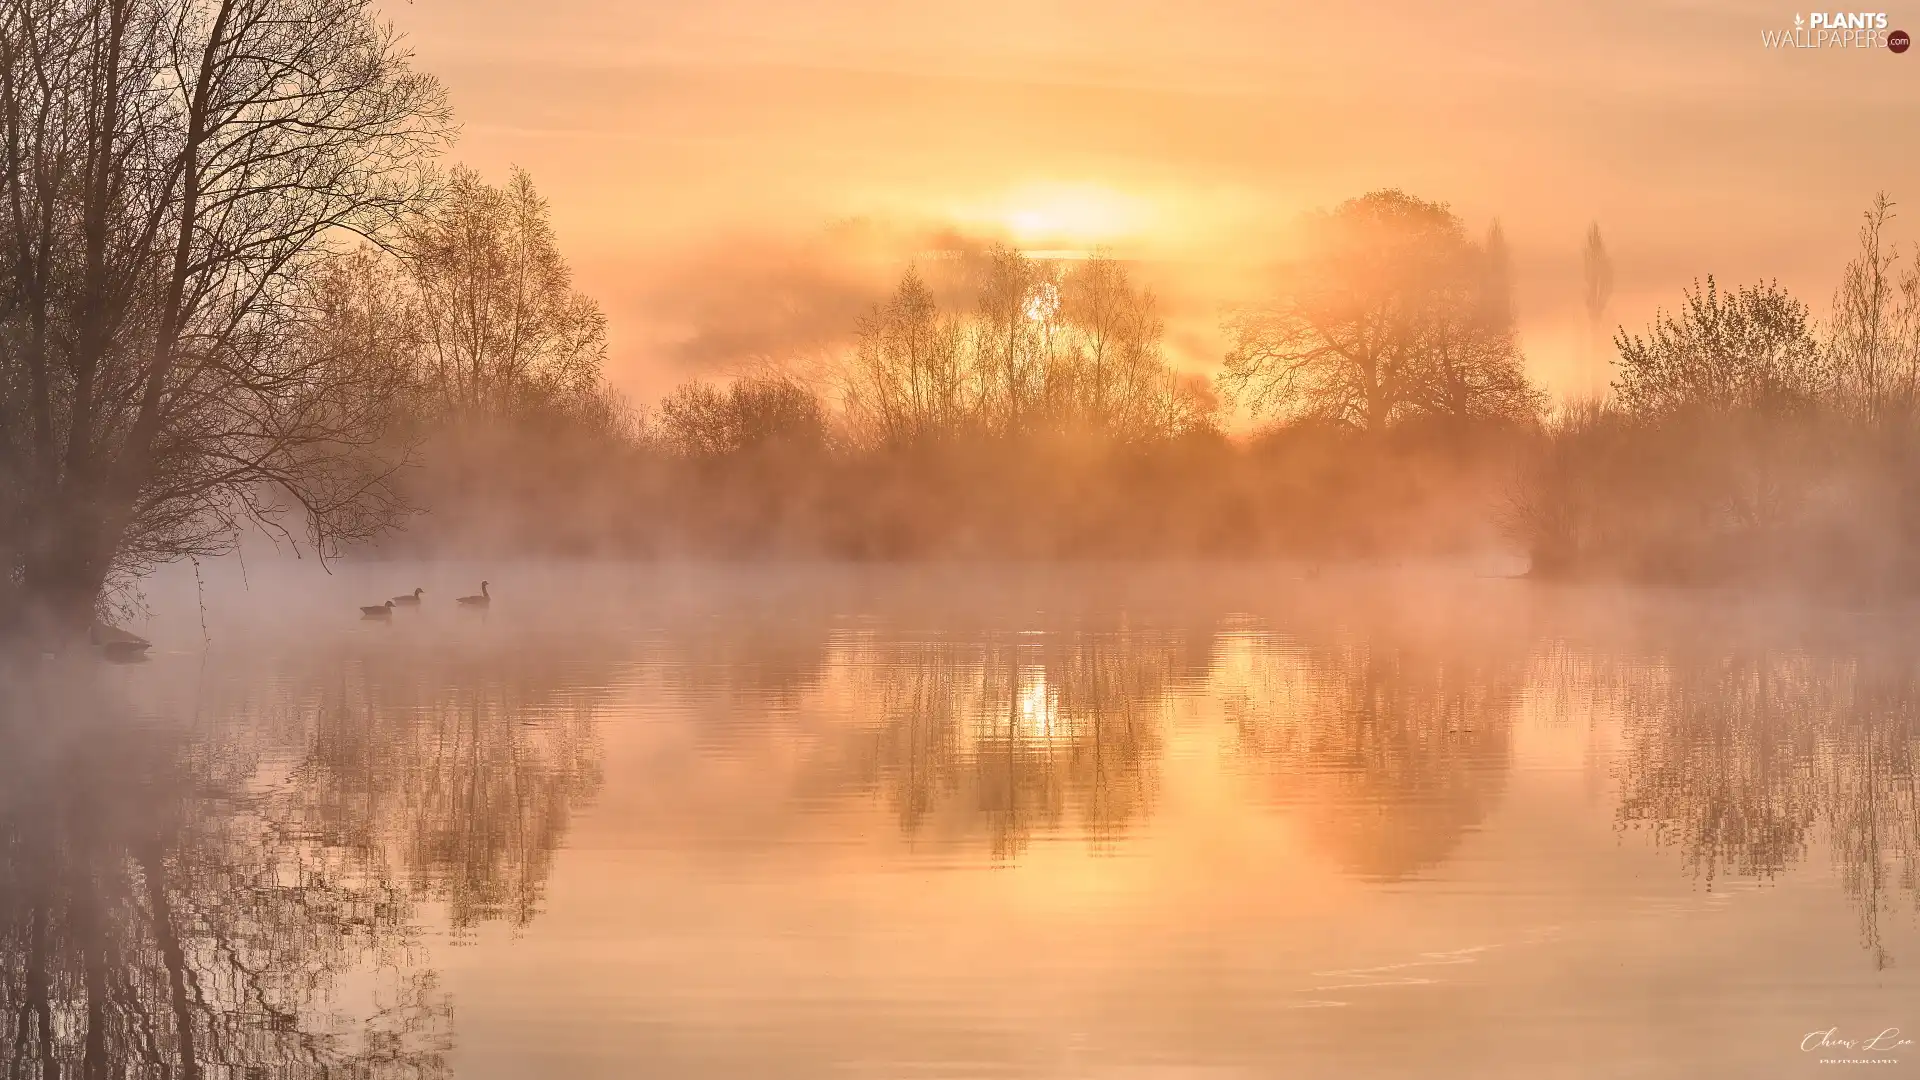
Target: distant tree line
(1027, 407)
(237, 290)
(1744, 439)
(1065, 351)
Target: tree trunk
(64, 572)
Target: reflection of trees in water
(240, 898)
(458, 775)
(1014, 733)
(1391, 753)
(1741, 759)
(154, 921)
(1388, 753)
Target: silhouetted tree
(496, 363)
(1121, 383)
(764, 413)
(1742, 443)
(1874, 339)
(502, 333)
(1746, 349)
(1474, 370)
(911, 373)
(1387, 314)
(1014, 338)
(175, 171)
(1066, 353)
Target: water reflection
(1002, 737)
(1390, 751)
(157, 921)
(455, 774)
(1743, 759)
(260, 878)
(242, 894)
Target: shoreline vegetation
(239, 288)
(999, 406)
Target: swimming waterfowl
(482, 600)
(381, 611)
(412, 598)
(117, 644)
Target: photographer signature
(1830, 1039)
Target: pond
(964, 821)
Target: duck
(378, 611)
(118, 644)
(411, 599)
(481, 600)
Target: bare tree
(910, 377)
(1172, 404)
(1875, 334)
(503, 330)
(1014, 339)
(1123, 383)
(175, 170)
(1473, 368)
(759, 412)
(1387, 315)
(1078, 351)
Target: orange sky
(697, 153)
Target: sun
(1078, 213)
(1084, 215)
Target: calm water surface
(1109, 822)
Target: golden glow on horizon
(1083, 214)
(1188, 138)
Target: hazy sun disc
(1087, 215)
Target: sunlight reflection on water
(1170, 821)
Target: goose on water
(411, 599)
(116, 643)
(378, 611)
(481, 600)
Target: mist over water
(1040, 541)
(960, 820)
